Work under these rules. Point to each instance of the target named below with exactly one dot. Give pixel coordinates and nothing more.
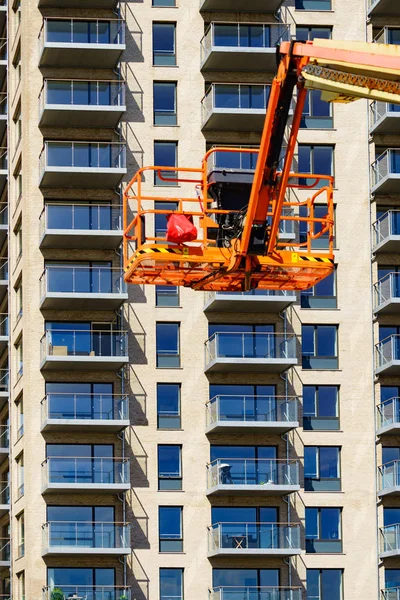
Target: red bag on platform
(180, 229)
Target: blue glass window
(320, 407)
(171, 584)
(165, 155)
(167, 295)
(317, 113)
(319, 347)
(163, 3)
(244, 341)
(313, 5)
(324, 584)
(246, 465)
(170, 528)
(81, 463)
(78, 31)
(317, 160)
(323, 530)
(392, 578)
(322, 468)
(243, 96)
(80, 401)
(169, 405)
(305, 32)
(243, 580)
(80, 277)
(385, 333)
(167, 345)
(245, 402)
(164, 53)
(169, 467)
(83, 582)
(393, 35)
(87, 216)
(248, 36)
(322, 295)
(164, 102)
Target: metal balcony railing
(3, 270)
(60, 30)
(256, 292)
(387, 35)
(81, 280)
(5, 549)
(85, 470)
(86, 592)
(256, 536)
(76, 342)
(3, 103)
(256, 593)
(389, 475)
(3, 213)
(387, 225)
(86, 534)
(79, 92)
(234, 97)
(4, 380)
(379, 109)
(83, 155)
(4, 437)
(3, 325)
(392, 593)
(3, 49)
(388, 163)
(3, 159)
(386, 289)
(80, 217)
(388, 412)
(387, 350)
(250, 409)
(4, 492)
(390, 538)
(73, 407)
(252, 471)
(266, 346)
(243, 35)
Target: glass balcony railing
(256, 536)
(251, 409)
(3, 270)
(4, 437)
(5, 549)
(75, 342)
(56, 30)
(81, 280)
(388, 163)
(82, 93)
(257, 292)
(88, 407)
(234, 97)
(3, 325)
(3, 159)
(256, 593)
(3, 103)
(4, 492)
(388, 413)
(389, 475)
(86, 592)
(392, 593)
(386, 289)
(3, 213)
(80, 217)
(387, 35)
(252, 471)
(4, 381)
(379, 110)
(234, 161)
(3, 50)
(390, 538)
(86, 535)
(85, 470)
(268, 346)
(387, 350)
(83, 155)
(386, 226)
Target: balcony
(389, 479)
(383, 8)
(264, 6)
(88, 592)
(86, 226)
(253, 539)
(392, 593)
(387, 295)
(256, 593)
(265, 301)
(3, 109)
(110, 4)
(388, 417)
(385, 171)
(82, 288)
(241, 46)
(386, 232)
(83, 350)
(4, 387)
(390, 541)
(3, 53)
(3, 222)
(234, 107)
(85, 475)
(384, 118)
(3, 167)
(249, 476)
(85, 412)
(4, 442)
(82, 164)
(78, 103)
(4, 497)
(387, 356)
(251, 414)
(3, 332)
(263, 352)
(5, 552)
(62, 538)
(81, 43)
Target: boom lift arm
(240, 246)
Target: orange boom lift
(228, 236)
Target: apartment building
(159, 443)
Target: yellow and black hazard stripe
(316, 259)
(182, 251)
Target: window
(21, 585)
(169, 467)
(319, 346)
(21, 535)
(167, 295)
(165, 155)
(18, 125)
(85, 277)
(246, 527)
(171, 584)
(164, 102)
(160, 220)
(324, 584)
(317, 113)
(18, 242)
(170, 529)
(240, 96)
(19, 358)
(167, 345)
(76, 581)
(247, 580)
(322, 295)
(320, 407)
(164, 50)
(392, 579)
(323, 530)
(247, 403)
(243, 465)
(77, 463)
(92, 401)
(19, 300)
(168, 405)
(317, 160)
(322, 469)
(243, 341)
(20, 418)
(313, 5)
(20, 475)
(304, 32)
(243, 35)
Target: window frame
(317, 544)
(310, 300)
(321, 595)
(173, 359)
(161, 596)
(319, 5)
(166, 113)
(314, 360)
(177, 419)
(318, 483)
(158, 182)
(324, 423)
(159, 54)
(167, 293)
(172, 543)
(311, 121)
(311, 180)
(170, 477)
